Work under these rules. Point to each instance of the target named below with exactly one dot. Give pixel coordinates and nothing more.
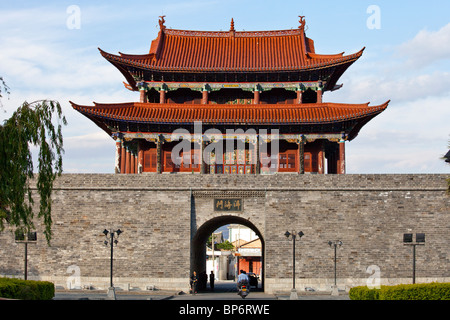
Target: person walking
(211, 281)
(194, 282)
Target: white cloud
(427, 47)
(42, 59)
(401, 160)
(378, 88)
(93, 152)
(415, 69)
(408, 137)
(54, 67)
(412, 134)
(93, 140)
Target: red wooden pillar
(118, 155)
(256, 97)
(256, 157)
(299, 96)
(133, 163)
(123, 159)
(203, 164)
(341, 161)
(320, 162)
(143, 97)
(140, 161)
(159, 156)
(128, 164)
(136, 163)
(319, 95)
(205, 96)
(162, 96)
(301, 155)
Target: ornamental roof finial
(302, 22)
(161, 22)
(232, 25)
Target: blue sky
(407, 61)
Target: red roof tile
(202, 51)
(231, 114)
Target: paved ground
(224, 290)
(223, 303)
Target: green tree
(32, 124)
(3, 88)
(226, 245)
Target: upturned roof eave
(352, 112)
(124, 60)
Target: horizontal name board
(228, 204)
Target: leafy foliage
(424, 291)
(226, 245)
(26, 289)
(31, 124)
(3, 88)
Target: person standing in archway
(193, 282)
(211, 281)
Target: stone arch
(198, 241)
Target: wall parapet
(259, 183)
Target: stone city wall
(163, 216)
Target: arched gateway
(213, 209)
(198, 242)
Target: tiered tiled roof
(233, 52)
(185, 52)
(231, 114)
(196, 51)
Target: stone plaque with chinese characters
(228, 204)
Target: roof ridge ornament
(232, 31)
(302, 22)
(161, 22)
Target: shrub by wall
(425, 291)
(26, 289)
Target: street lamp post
(335, 244)
(113, 236)
(30, 237)
(294, 236)
(420, 241)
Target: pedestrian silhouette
(194, 282)
(211, 281)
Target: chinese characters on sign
(227, 204)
